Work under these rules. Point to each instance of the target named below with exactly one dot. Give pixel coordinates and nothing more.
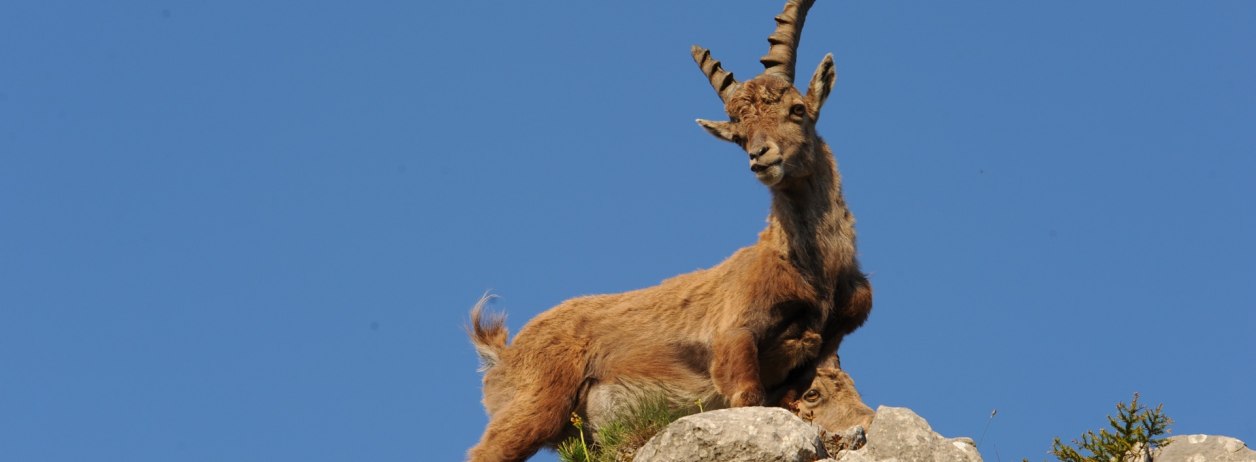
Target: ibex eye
(798, 110)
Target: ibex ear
(721, 130)
(832, 361)
(821, 82)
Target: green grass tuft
(619, 439)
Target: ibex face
(832, 401)
(774, 124)
(768, 117)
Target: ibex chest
(794, 338)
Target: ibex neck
(810, 221)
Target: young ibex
(747, 332)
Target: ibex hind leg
(537, 415)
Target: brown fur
(747, 332)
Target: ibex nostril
(759, 153)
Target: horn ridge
(721, 80)
(783, 43)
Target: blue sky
(252, 231)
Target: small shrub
(1135, 428)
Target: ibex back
(747, 332)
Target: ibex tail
(487, 335)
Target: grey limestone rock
(898, 434)
(746, 434)
(1204, 448)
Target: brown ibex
(747, 332)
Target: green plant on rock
(1135, 429)
(619, 439)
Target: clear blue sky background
(252, 231)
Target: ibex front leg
(851, 308)
(735, 368)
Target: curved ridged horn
(721, 80)
(783, 43)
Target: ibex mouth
(768, 174)
(760, 168)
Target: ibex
(747, 332)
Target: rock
(755, 434)
(1205, 448)
(745, 434)
(901, 435)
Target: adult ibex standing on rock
(747, 332)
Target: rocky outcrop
(1204, 448)
(755, 434)
(745, 434)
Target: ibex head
(768, 117)
(832, 401)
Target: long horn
(784, 41)
(721, 80)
